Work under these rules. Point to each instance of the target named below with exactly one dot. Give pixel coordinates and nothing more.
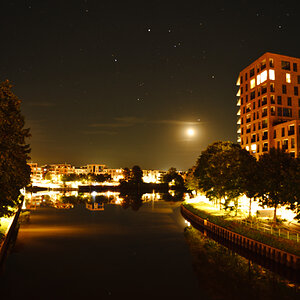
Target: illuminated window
(247, 148)
(258, 79)
(253, 147)
(263, 76)
(288, 77)
(272, 74)
(252, 83)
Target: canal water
(100, 246)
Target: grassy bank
(4, 224)
(277, 242)
(225, 275)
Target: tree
(48, 176)
(14, 152)
(252, 183)
(294, 191)
(280, 180)
(136, 175)
(69, 177)
(220, 170)
(191, 182)
(172, 175)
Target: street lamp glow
(190, 132)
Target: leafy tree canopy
(136, 174)
(171, 175)
(220, 170)
(14, 152)
(281, 180)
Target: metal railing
(277, 231)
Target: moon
(190, 132)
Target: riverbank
(236, 277)
(9, 228)
(237, 227)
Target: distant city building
(36, 172)
(81, 170)
(115, 174)
(95, 169)
(57, 170)
(152, 176)
(269, 105)
(61, 169)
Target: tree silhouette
(14, 152)
(220, 171)
(173, 175)
(280, 180)
(136, 174)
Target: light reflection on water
(96, 201)
(103, 236)
(131, 245)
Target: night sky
(120, 82)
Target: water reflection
(96, 201)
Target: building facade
(95, 169)
(269, 105)
(36, 172)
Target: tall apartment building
(269, 105)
